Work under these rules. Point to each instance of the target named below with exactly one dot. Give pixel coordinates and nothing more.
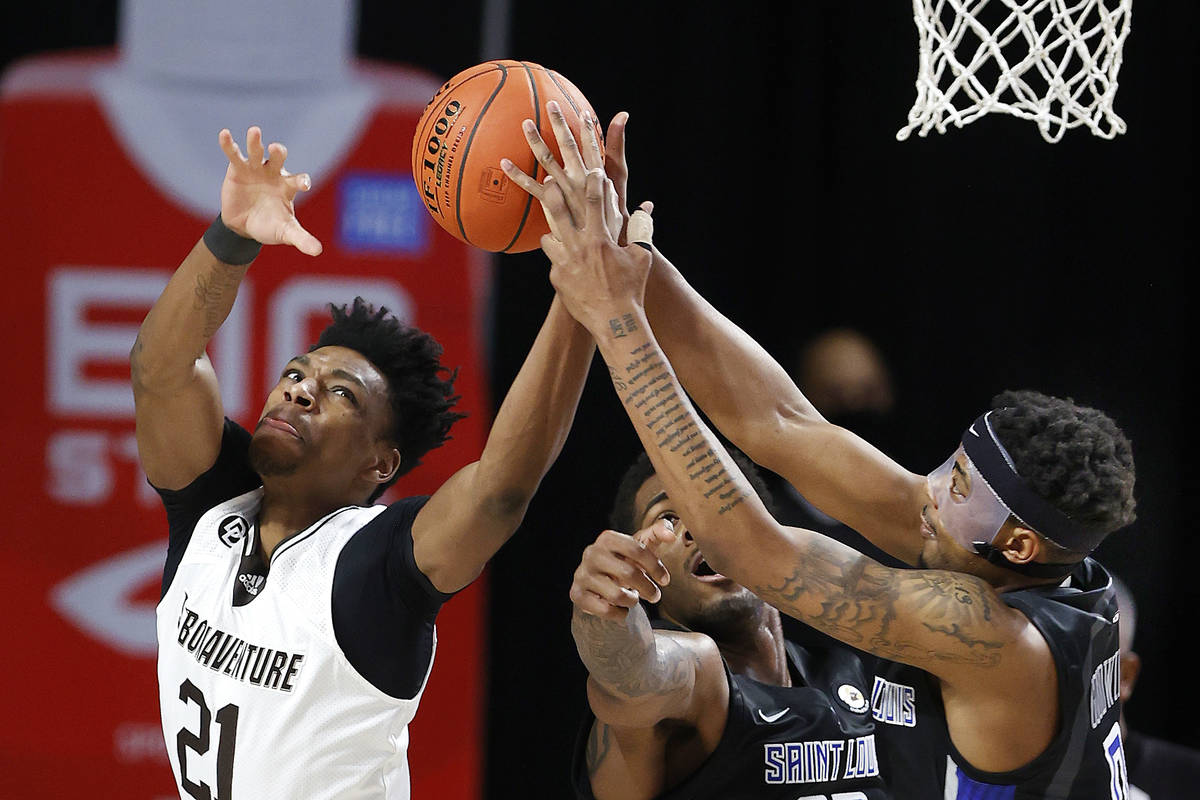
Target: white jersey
(258, 699)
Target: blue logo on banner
(382, 212)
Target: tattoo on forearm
(623, 325)
(597, 747)
(855, 600)
(213, 291)
(649, 394)
(616, 379)
(628, 662)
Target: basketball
(472, 122)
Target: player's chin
(271, 454)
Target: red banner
(89, 237)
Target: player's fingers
(620, 555)
(541, 151)
(621, 592)
(558, 211)
(230, 147)
(603, 574)
(520, 178)
(593, 148)
(614, 220)
(276, 155)
(573, 161)
(254, 145)
(298, 183)
(295, 235)
(660, 533)
(653, 539)
(640, 230)
(614, 156)
(637, 555)
(594, 193)
(554, 249)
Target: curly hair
(1071, 455)
(623, 516)
(408, 358)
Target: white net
(1051, 61)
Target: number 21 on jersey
(199, 742)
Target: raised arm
(950, 624)
(475, 512)
(177, 401)
(638, 677)
(774, 424)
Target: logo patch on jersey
(232, 529)
(773, 717)
(253, 583)
(894, 703)
(854, 699)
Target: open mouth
(702, 571)
(927, 529)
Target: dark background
(979, 260)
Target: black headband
(997, 468)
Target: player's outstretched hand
(617, 570)
(597, 279)
(617, 168)
(257, 194)
(571, 175)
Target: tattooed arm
(775, 425)
(951, 624)
(178, 404)
(646, 687)
(997, 675)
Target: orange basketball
(472, 122)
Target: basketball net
(1051, 61)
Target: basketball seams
(466, 154)
(537, 119)
(480, 135)
(554, 76)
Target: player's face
(696, 597)
(326, 415)
(947, 487)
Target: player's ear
(1019, 544)
(1131, 665)
(384, 464)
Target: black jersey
(1084, 761)
(813, 740)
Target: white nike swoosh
(972, 429)
(775, 716)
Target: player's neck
(760, 653)
(289, 506)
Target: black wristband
(229, 247)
